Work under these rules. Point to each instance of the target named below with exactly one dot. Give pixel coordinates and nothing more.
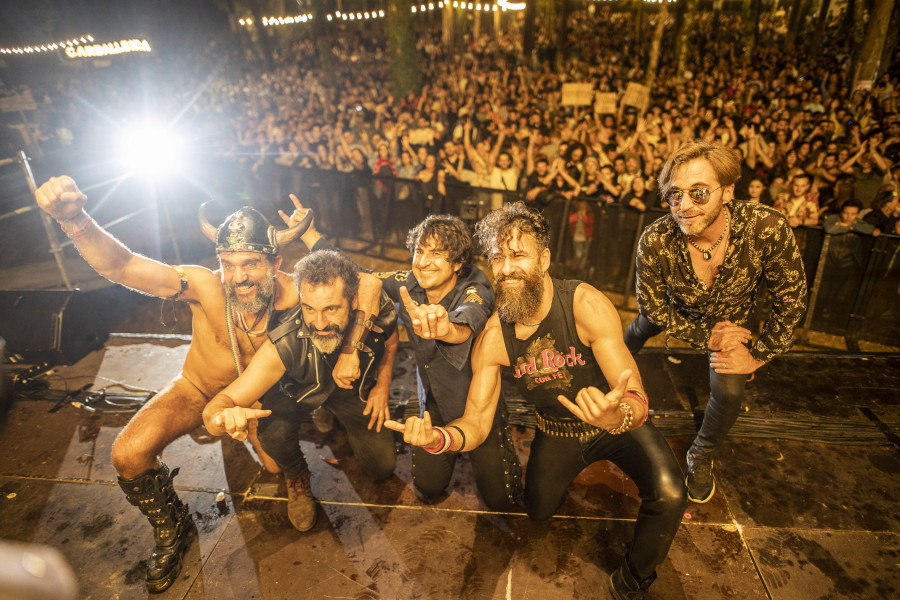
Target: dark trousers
(726, 392)
(643, 455)
(279, 433)
(494, 463)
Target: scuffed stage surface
(790, 519)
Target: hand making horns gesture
(235, 420)
(429, 321)
(599, 409)
(297, 215)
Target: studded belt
(564, 428)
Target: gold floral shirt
(761, 247)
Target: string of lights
(38, 49)
(501, 5)
(358, 16)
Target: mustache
(328, 331)
(516, 275)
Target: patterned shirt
(761, 247)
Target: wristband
(642, 400)
(358, 332)
(462, 435)
(446, 442)
(74, 228)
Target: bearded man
(231, 309)
(698, 274)
(561, 341)
(304, 348)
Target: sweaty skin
(209, 364)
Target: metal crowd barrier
(859, 299)
(854, 287)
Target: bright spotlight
(150, 149)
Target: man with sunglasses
(699, 270)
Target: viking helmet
(247, 230)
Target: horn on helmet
(209, 230)
(286, 235)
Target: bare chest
(705, 269)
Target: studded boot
(154, 495)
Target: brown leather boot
(302, 509)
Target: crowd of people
(489, 118)
(808, 142)
(784, 131)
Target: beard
(519, 304)
(265, 290)
(700, 225)
(327, 343)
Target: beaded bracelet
(642, 400)
(73, 230)
(626, 421)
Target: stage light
(150, 148)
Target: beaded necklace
(707, 254)
(232, 317)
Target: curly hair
(323, 267)
(448, 233)
(724, 161)
(497, 227)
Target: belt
(564, 428)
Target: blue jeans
(279, 433)
(726, 392)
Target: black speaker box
(56, 326)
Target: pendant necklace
(232, 318)
(707, 254)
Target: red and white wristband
(447, 440)
(74, 228)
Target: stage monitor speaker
(56, 326)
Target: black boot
(153, 493)
(624, 586)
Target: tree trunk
(856, 34)
(752, 10)
(679, 24)
(869, 60)
(562, 33)
(661, 17)
(821, 22)
(402, 49)
(690, 12)
(890, 45)
(528, 32)
(793, 26)
(638, 21)
(447, 27)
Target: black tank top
(552, 360)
